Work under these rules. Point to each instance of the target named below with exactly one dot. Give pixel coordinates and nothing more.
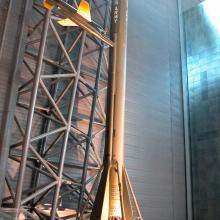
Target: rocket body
(118, 62)
(113, 201)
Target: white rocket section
(115, 202)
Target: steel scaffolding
(59, 126)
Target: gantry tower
(56, 150)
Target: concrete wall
(203, 53)
(154, 117)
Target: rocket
(115, 198)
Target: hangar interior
(109, 109)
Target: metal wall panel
(154, 117)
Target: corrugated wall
(154, 117)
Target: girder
(56, 153)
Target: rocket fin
(130, 190)
(83, 10)
(67, 23)
(128, 211)
(48, 5)
(101, 207)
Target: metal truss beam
(60, 117)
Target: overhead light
(83, 10)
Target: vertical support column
(69, 121)
(91, 123)
(47, 122)
(186, 116)
(31, 112)
(13, 32)
(90, 130)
